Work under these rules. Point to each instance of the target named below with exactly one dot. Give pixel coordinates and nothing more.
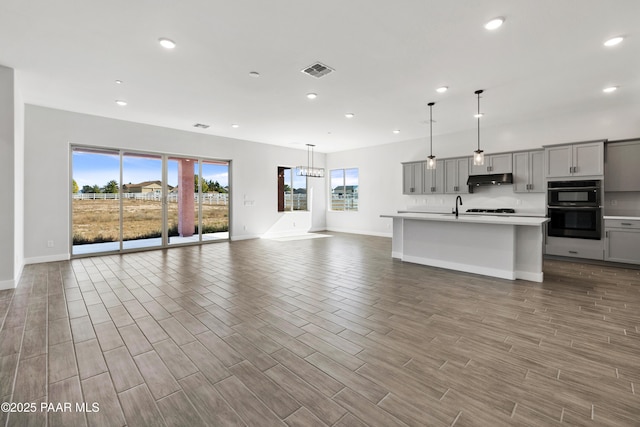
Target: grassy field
(97, 220)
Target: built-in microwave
(574, 193)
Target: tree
(215, 186)
(90, 189)
(111, 187)
(203, 183)
(75, 187)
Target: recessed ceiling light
(166, 43)
(610, 89)
(254, 74)
(396, 131)
(613, 41)
(494, 23)
(442, 89)
(235, 125)
(312, 95)
(118, 82)
(121, 103)
(349, 115)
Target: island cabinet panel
(495, 163)
(412, 178)
(622, 241)
(574, 160)
(528, 175)
(456, 173)
(434, 179)
(621, 171)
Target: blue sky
(98, 169)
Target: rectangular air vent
(201, 126)
(317, 70)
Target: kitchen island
(509, 247)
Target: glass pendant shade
(431, 162)
(478, 158)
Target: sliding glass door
(142, 207)
(163, 200)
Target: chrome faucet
(460, 199)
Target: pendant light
(309, 170)
(478, 155)
(431, 162)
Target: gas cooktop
(499, 210)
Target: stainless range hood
(491, 179)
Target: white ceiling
(389, 56)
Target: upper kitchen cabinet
(621, 172)
(495, 163)
(528, 175)
(456, 173)
(434, 179)
(581, 159)
(413, 177)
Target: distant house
(143, 187)
(342, 190)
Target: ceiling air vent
(317, 70)
(201, 126)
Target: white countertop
(519, 214)
(478, 219)
(623, 218)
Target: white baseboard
(362, 232)
(475, 269)
(245, 237)
(527, 275)
(48, 258)
(7, 284)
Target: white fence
(207, 198)
(348, 202)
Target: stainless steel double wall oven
(575, 209)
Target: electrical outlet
(49, 243)
(244, 227)
(518, 202)
(614, 202)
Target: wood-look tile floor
(317, 332)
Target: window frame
(282, 202)
(355, 199)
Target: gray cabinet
(528, 176)
(413, 177)
(456, 173)
(583, 159)
(622, 241)
(495, 163)
(434, 179)
(621, 171)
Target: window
(292, 190)
(344, 190)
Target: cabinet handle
(626, 223)
(573, 252)
(606, 234)
(433, 189)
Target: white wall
(7, 179)
(49, 133)
(380, 189)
